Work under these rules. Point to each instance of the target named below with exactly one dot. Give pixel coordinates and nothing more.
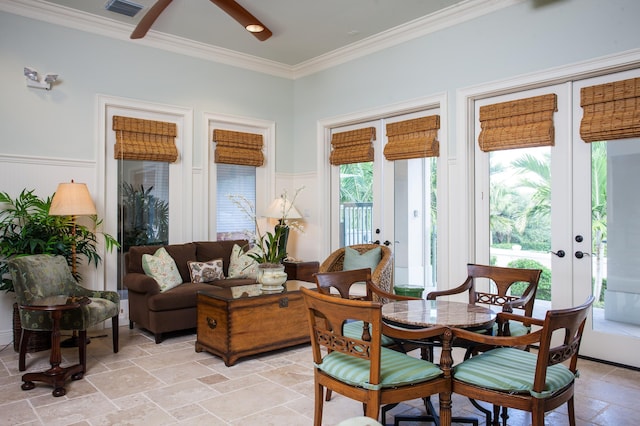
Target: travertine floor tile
(171, 384)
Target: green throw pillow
(161, 267)
(354, 260)
(241, 265)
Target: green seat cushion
(396, 369)
(516, 328)
(354, 329)
(510, 370)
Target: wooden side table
(56, 375)
(302, 271)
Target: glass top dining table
(427, 313)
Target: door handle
(387, 243)
(559, 253)
(580, 255)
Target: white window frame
(265, 175)
(180, 177)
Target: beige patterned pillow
(205, 272)
(241, 265)
(161, 267)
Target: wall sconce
(33, 79)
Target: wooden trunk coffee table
(240, 321)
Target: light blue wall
(528, 37)
(517, 40)
(61, 122)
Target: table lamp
(72, 199)
(282, 209)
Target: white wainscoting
(43, 175)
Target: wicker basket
(39, 340)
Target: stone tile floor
(171, 384)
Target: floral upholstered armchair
(43, 275)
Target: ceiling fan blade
(243, 16)
(149, 18)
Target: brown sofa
(174, 309)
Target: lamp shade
(281, 208)
(72, 199)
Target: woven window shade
(146, 140)
(244, 149)
(611, 111)
(353, 146)
(413, 138)
(524, 123)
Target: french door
(570, 210)
(393, 203)
(605, 263)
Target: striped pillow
(511, 370)
(396, 369)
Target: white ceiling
(304, 31)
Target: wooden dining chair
(360, 368)
(497, 292)
(341, 283)
(510, 377)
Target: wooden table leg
(56, 375)
(446, 361)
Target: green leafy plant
(27, 228)
(145, 217)
(270, 251)
(544, 285)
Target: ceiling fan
(233, 9)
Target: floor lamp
(72, 199)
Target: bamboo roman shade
(523, 123)
(611, 111)
(416, 138)
(354, 146)
(146, 140)
(244, 149)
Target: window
(240, 181)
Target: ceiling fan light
(254, 28)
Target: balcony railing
(355, 223)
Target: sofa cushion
(181, 254)
(204, 272)
(183, 296)
(241, 264)
(134, 257)
(162, 268)
(206, 250)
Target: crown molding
(445, 18)
(61, 15)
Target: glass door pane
(415, 222)
(143, 207)
(520, 214)
(356, 204)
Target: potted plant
(269, 251)
(145, 217)
(27, 228)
